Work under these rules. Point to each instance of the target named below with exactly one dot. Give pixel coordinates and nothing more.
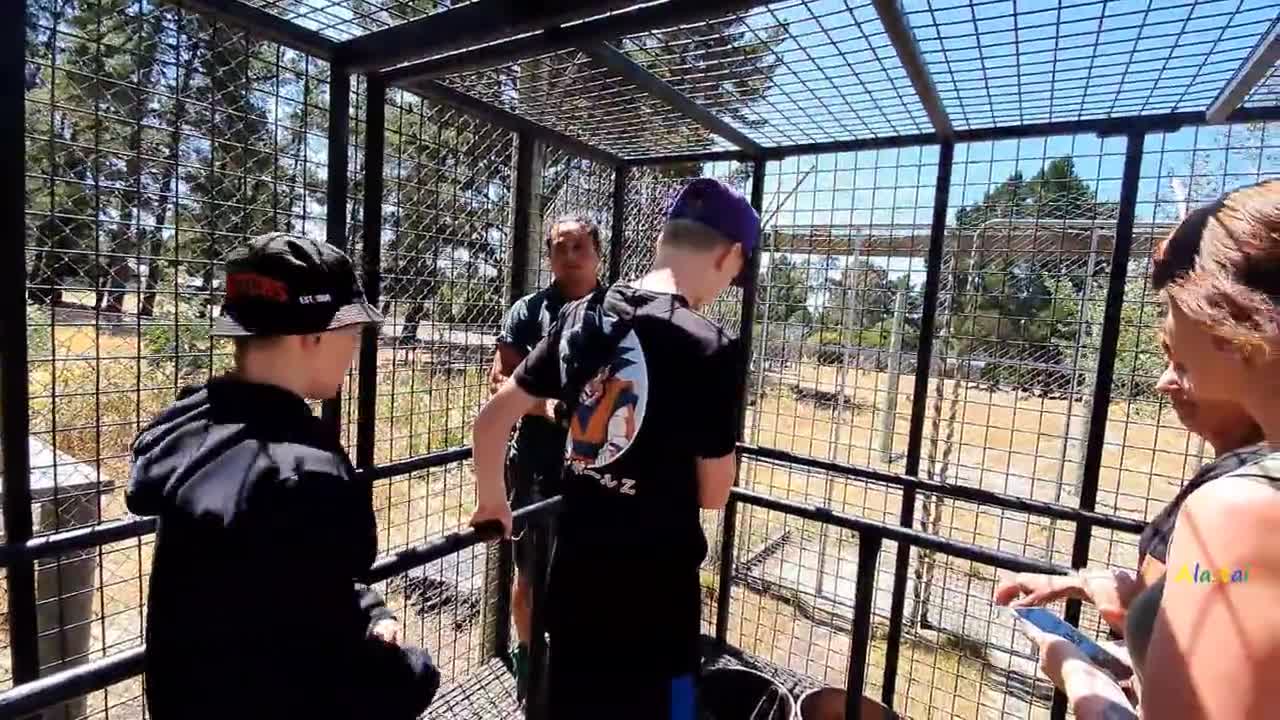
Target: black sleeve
(515, 327)
(372, 605)
(717, 434)
(321, 532)
(539, 373)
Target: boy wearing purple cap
(648, 393)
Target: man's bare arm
(505, 361)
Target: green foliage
(1020, 312)
(39, 333)
(185, 344)
(785, 292)
(829, 345)
(1139, 360)
(1055, 192)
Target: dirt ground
(1000, 440)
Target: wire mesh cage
(943, 189)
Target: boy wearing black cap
(254, 610)
(648, 391)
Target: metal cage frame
(417, 55)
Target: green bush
(185, 343)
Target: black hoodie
(254, 611)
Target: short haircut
(691, 235)
(592, 229)
(242, 344)
(1221, 266)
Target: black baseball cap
(285, 285)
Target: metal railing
(99, 674)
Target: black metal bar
(263, 24)
(746, 332)
(639, 76)
(15, 421)
(1102, 127)
(455, 542)
(621, 175)
(31, 697)
(556, 39)
(339, 141)
(511, 121)
(71, 541)
(929, 312)
(905, 45)
(894, 533)
(375, 136)
(919, 400)
(964, 493)
(1108, 341)
(502, 604)
(406, 467)
(1263, 58)
(465, 26)
(864, 599)
(521, 216)
(693, 157)
(780, 152)
(536, 707)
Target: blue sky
(896, 187)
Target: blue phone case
(1051, 623)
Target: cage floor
(488, 694)
(491, 692)
(714, 657)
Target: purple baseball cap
(722, 208)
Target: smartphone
(1055, 625)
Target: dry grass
(1004, 441)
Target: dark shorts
(530, 477)
(622, 639)
(595, 695)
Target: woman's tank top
(1141, 619)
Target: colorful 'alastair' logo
(1205, 575)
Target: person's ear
(731, 259)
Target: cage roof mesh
(791, 72)
(346, 19)
(1000, 62)
(569, 92)
(800, 72)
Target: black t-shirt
(526, 323)
(659, 390)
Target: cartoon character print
(610, 410)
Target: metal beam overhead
(264, 25)
(509, 120)
(654, 86)
(1103, 127)
(1263, 58)
(904, 43)
(555, 39)
(476, 23)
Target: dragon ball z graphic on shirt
(610, 410)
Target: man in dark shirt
(535, 461)
(255, 610)
(651, 388)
